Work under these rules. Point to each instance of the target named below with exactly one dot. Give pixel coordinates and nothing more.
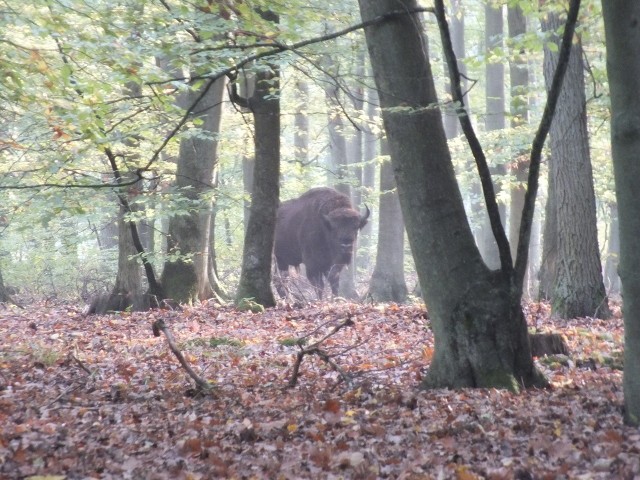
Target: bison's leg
(334, 279)
(315, 278)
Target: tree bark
(255, 275)
(578, 288)
(622, 36)
(519, 109)
(456, 20)
(186, 279)
(4, 294)
(387, 281)
(480, 333)
(494, 120)
(342, 178)
(613, 252)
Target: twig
(80, 364)
(160, 326)
(314, 349)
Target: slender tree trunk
(623, 68)
(519, 77)
(613, 252)
(578, 289)
(340, 168)
(127, 291)
(255, 276)
(480, 334)
(301, 123)
(549, 242)
(494, 120)
(4, 294)
(456, 19)
(387, 282)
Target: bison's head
(342, 225)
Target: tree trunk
(549, 242)
(623, 68)
(613, 252)
(480, 332)
(255, 276)
(456, 19)
(127, 291)
(187, 279)
(4, 294)
(387, 282)
(519, 108)
(341, 180)
(494, 120)
(578, 288)
(301, 123)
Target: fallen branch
(80, 364)
(160, 326)
(314, 349)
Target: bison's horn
(365, 217)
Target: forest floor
(102, 397)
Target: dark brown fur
(319, 229)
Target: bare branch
(160, 326)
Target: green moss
(497, 379)
(212, 342)
(292, 342)
(248, 304)
(218, 341)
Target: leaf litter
(101, 397)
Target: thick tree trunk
(623, 67)
(387, 282)
(480, 332)
(578, 288)
(187, 279)
(255, 276)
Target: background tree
(519, 111)
(578, 289)
(494, 116)
(5, 297)
(623, 68)
(387, 281)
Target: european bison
(319, 229)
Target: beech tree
(623, 69)
(479, 328)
